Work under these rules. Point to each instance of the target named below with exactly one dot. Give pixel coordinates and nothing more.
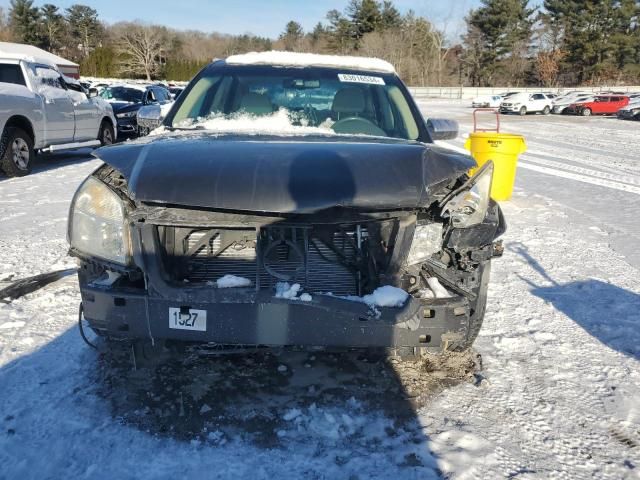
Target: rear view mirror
(149, 117)
(442, 128)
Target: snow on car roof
(133, 86)
(293, 59)
(29, 53)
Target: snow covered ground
(558, 395)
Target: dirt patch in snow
(266, 396)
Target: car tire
(17, 155)
(106, 135)
(586, 112)
(546, 110)
(523, 111)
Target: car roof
(294, 59)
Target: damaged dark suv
(288, 200)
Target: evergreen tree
(84, 28)
(292, 36)
(599, 37)
(505, 28)
(390, 17)
(24, 20)
(341, 32)
(365, 17)
(52, 27)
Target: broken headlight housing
(97, 223)
(467, 206)
(427, 240)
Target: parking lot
(556, 397)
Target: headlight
(126, 114)
(97, 223)
(468, 205)
(427, 240)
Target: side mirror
(442, 128)
(149, 117)
(93, 92)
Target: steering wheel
(357, 125)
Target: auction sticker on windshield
(352, 78)
(188, 319)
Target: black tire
(586, 112)
(106, 134)
(523, 111)
(16, 148)
(546, 110)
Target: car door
(620, 102)
(537, 102)
(601, 105)
(58, 105)
(87, 115)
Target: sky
(261, 17)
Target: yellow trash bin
(503, 149)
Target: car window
(163, 95)
(345, 102)
(48, 77)
(150, 96)
(538, 96)
(122, 94)
(11, 73)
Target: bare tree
(141, 48)
(5, 32)
(548, 66)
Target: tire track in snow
(599, 181)
(628, 179)
(592, 177)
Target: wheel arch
(18, 121)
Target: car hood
(121, 107)
(302, 174)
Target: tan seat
(348, 102)
(255, 104)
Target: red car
(600, 105)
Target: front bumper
(244, 316)
(249, 316)
(127, 127)
(510, 109)
(628, 114)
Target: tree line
(506, 42)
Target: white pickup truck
(40, 111)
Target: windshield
(296, 100)
(122, 94)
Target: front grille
(320, 259)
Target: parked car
(600, 105)
(175, 92)
(631, 111)
(486, 101)
(508, 94)
(524, 103)
(561, 104)
(127, 99)
(292, 199)
(40, 111)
